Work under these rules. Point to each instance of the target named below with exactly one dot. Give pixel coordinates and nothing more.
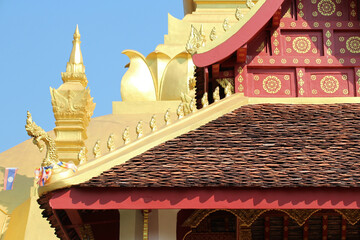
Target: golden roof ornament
(250, 4)
(226, 25)
(204, 100)
(238, 14)
(73, 106)
(110, 143)
(139, 129)
(153, 123)
(167, 117)
(196, 40)
(213, 35)
(75, 69)
(180, 111)
(126, 135)
(228, 90)
(216, 94)
(38, 134)
(96, 149)
(192, 105)
(82, 156)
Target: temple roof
(262, 145)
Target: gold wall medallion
(326, 7)
(301, 45)
(353, 44)
(271, 84)
(329, 84)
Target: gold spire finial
(75, 69)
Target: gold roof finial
(75, 69)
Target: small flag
(9, 178)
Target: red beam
(205, 198)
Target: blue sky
(35, 45)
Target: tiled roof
(265, 145)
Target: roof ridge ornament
(213, 35)
(96, 149)
(216, 94)
(226, 25)
(204, 100)
(110, 143)
(75, 69)
(238, 14)
(126, 135)
(250, 4)
(196, 40)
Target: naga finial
(167, 117)
(204, 100)
(110, 143)
(96, 149)
(196, 40)
(38, 134)
(139, 129)
(180, 111)
(153, 123)
(126, 135)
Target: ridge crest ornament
(329, 84)
(301, 44)
(272, 84)
(326, 7)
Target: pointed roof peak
(77, 33)
(75, 69)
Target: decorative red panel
(347, 43)
(271, 83)
(300, 43)
(324, 10)
(330, 83)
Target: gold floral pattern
(353, 44)
(301, 45)
(329, 84)
(326, 7)
(272, 84)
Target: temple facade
(244, 124)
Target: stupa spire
(75, 69)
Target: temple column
(131, 224)
(167, 223)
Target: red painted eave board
(241, 37)
(206, 198)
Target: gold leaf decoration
(216, 94)
(96, 149)
(152, 123)
(180, 111)
(238, 14)
(213, 35)
(167, 117)
(126, 135)
(110, 143)
(204, 100)
(226, 25)
(139, 129)
(82, 155)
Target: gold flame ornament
(250, 4)
(226, 25)
(192, 105)
(213, 35)
(153, 123)
(110, 143)
(238, 14)
(139, 129)
(82, 155)
(216, 94)
(167, 117)
(180, 111)
(228, 90)
(126, 135)
(204, 100)
(96, 149)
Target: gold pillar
(146, 225)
